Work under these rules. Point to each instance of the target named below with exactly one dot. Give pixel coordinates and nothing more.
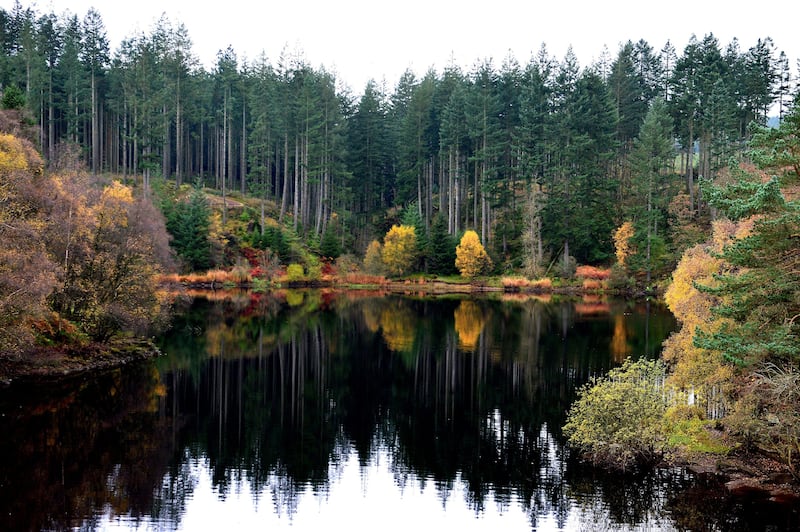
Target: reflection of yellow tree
(227, 342)
(371, 316)
(294, 298)
(619, 347)
(398, 324)
(469, 324)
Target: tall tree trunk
(224, 159)
(450, 182)
(178, 135)
(51, 133)
(165, 143)
(649, 227)
(285, 191)
(243, 153)
(95, 128)
(135, 161)
(690, 165)
(296, 189)
(457, 195)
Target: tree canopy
(470, 146)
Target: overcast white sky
(360, 40)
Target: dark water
(313, 411)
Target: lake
(311, 410)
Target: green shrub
(294, 272)
(13, 98)
(259, 285)
(618, 420)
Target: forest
(538, 158)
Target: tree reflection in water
(452, 389)
(276, 395)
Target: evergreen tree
(412, 218)
(625, 87)
(13, 98)
(95, 56)
(370, 155)
(761, 291)
(442, 248)
(652, 154)
(330, 245)
(580, 209)
(189, 224)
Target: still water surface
(314, 410)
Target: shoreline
(748, 475)
(420, 286)
(59, 363)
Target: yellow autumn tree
(622, 242)
(109, 281)
(399, 249)
(471, 257)
(694, 367)
(373, 262)
(27, 272)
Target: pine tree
(762, 290)
(442, 249)
(189, 224)
(652, 154)
(330, 245)
(412, 218)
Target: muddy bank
(752, 475)
(45, 364)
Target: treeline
(536, 157)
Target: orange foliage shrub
(363, 278)
(211, 276)
(593, 284)
(592, 272)
(542, 285)
(514, 282)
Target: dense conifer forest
(538, 156)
